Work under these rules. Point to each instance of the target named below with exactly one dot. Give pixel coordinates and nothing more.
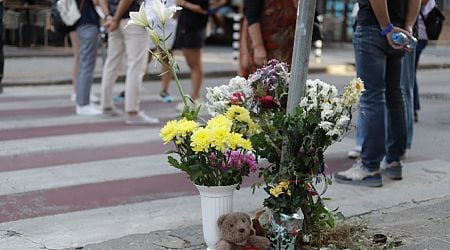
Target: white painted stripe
(37, 104)
(53, 121)
(78, 141)
(98, 225)
(84, 173)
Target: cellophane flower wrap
(321, 118)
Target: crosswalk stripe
(60, 143)
(28, 180)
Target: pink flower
(237, 98)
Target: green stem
(171, 65)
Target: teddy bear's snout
(241, 230)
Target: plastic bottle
(401, 38)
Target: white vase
(215, 201)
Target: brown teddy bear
(235, 231)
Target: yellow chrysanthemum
(276, 191)
(186, 127)
(237, 112)
(169, 131)
(233, 140)
(245, 144)
(219, 138)
(200, 140)
(220, 121)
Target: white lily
(162, 12)
(139, 18)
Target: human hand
(111, 25)
(403, 47)
(260, 55)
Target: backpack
(433, 23)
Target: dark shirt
(135, 5)
(192, 21)
(396, 9)
(88, 13)
(252, 10)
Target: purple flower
(251, 162)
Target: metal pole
(300, 58)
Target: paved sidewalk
(52, 65)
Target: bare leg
(75, 40)
(194, 61)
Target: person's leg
(136, 42)
(194, 61)
(112, 67)
(75, 41)
(370, 58)
(421, 44)
(396, 110)
(88, 55)
(407, 84)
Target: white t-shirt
(170, 27)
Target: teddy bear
(235, 230)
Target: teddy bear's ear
(221, 219)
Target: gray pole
(300, 57)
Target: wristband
(387, 29)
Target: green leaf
(174, 162)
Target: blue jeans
(408, 76)
(408, 80)
(382, 121)
(88, 54)
(421, 44)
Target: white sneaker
(353, 154)
(140, 119)
(358, 175)
(89, 110)
(94, 99)
(391, 170)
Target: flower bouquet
(321, 118)
(218, 153)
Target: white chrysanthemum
(343, 121)
(325, 125)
